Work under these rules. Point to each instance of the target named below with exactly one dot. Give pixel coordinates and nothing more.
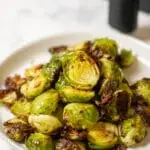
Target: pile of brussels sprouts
(79, 100)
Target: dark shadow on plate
(142, 33)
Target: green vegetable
(42, 79)
(108, 47)
(142, 88)
(111, 70)
(80, 116)
(80, 71)
(21, 107)
(38, 141)
(17, 129)
(132, 131)
(103, 135)
(35, 86)
(44, 123)
(70, 94)
(126, 58)
(46, 103)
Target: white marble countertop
(26, 20)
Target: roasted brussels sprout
(44, 123)
(70, 94)
(80, 70)
(46, 103)
(107, 46)
(35, 86)
(132, 131)
(111, 70)
(42, 79)
(21, 107)
(126, 58)
(17, 129)
(8, 97)
(80, 116)
(103, 135)
(39, 141)
(142, 88)
(65, 144)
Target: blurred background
(22, 21)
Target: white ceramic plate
(37, 52)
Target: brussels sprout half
(142, 88)
(111, 70)
(132, 131)
(103, 135)
(39, 141)
(107, 46)
(80, 116)
(70, 94)
(65, 144)
(17, 129)
(44, 123)
(46, 103)
(80, 70)
(21, 107)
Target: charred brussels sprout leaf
(46, 103)
(44, 123)
(80, 71)
(108, 87)
(132, 131)
(103, 136)
(21, 107)
(126, 58)
(106, 46)
(142, 88)
(65, 144)
(80, 116)
(38, 141)
(8, 97)
(73, 134)
(17, 129)
(111, 70)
